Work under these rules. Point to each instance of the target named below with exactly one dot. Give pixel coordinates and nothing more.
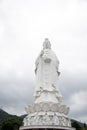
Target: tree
(11, 124)
(85, 127)
(76, 125)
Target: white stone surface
(47, 75)
(47, 118)
(46, 127)
(47, 109)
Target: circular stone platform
(47, 114)
(45, 128)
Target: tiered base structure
(47, 116)
(45, 128)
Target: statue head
(46, 44)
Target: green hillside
(9, 122)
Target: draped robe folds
(47, 77)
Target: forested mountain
(9, 122)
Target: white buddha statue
(47, 76)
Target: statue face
(46, 44)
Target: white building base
(45, 128)
(47, 116)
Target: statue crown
(46, 44)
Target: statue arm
(38, 60)
(56, 61)
(36, 64)
(57, 67)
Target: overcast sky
(24, 24)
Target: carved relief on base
(47, 118)
(46, 107)
(47, 114)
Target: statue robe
(47, 77)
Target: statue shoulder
(39, 56)
(54, 57)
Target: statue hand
(47, 60)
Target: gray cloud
(15, 94)
(74, 91)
